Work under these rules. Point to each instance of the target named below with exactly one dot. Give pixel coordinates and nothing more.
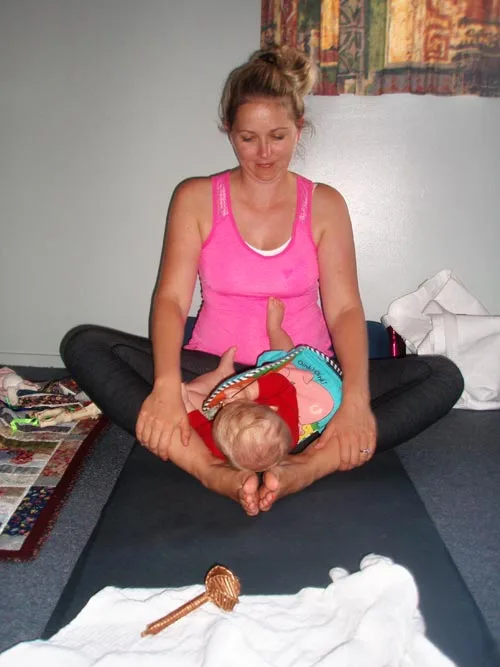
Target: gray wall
(106, 104)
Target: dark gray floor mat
(161, 528)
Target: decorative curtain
(370, 47)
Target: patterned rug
(38, 465)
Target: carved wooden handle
(222, 588)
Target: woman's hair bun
(294, 64)
(276, 72)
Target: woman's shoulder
(196, 187)
(329, 211)
(321, 192)
(194, 194)
(326, 195)
(193, 186)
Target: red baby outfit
(274, 389)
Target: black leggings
(116, 370)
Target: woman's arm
(163, 410)
(352, 429)
(340, 297)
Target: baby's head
(252, 436)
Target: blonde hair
(281, 72)
(252, 436)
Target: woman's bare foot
(240, 485)
(269, 489)
(288, 477)
(248, 496)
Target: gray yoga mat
(161, 528)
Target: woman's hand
(161, 413)
(352, 432)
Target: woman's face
(264, 136)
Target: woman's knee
(437, 377)
(445, 372)
(81, 339)
(422, 367)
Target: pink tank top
(237, 281)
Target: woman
(256, 231)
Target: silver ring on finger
(365, 451)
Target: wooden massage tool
(222, 588)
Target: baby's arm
(248, 393)
(191, 398)
(203, 385)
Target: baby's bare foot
(275, 314)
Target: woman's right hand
(161, 413)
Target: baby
(258, 425)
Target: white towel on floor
(366, 619)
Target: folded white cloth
(366, 619)
(442, 317)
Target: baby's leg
(278, 337)
(204, 384)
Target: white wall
(106, 104)
(421, 176)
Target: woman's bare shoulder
(329, 212)
(193, 196)
(326, 196)
(197, 186)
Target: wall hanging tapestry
(370, 47)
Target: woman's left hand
(352, 432)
